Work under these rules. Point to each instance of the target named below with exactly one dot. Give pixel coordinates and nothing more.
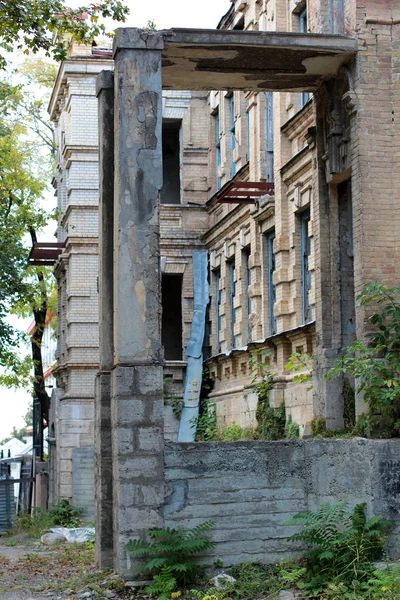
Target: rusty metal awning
(245, 192)
(45, 253)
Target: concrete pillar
(137, 392)
(327, 395)
(103, 459)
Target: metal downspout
(194, 369)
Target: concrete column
(327, 395)
(137, 393)
(103, 460)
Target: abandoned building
(250, 227)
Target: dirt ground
(30, 571)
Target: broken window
(271, 290)
(305, 248)
(172, 316)
(171, 190)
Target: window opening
(305, 245)
(269, 137)
(247, 281)
(271, 266)
(232, 295)
(217, 280)
(247, 131)
(171, 190)
(232, 128)
(303, 28)
(346, 264)
(172, 316)
(217, 149)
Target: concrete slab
(199, 59)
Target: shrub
(375, 364)
(65, 514)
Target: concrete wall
(250, 489)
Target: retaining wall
(250, 489)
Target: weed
(172, 554)
(65, 514)
(344, 544)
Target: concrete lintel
(199, 59)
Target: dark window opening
(347, 302)
(172, 316)
(171, 190)
(305, 245)
(270, 282)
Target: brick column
(137, 393)
(103, 460)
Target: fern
(343, 544)
(172, 552)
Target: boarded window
(172, 316)
(171, 190)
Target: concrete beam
(243, 60)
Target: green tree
(23, 176)
(45, 24)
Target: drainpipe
(194, 369)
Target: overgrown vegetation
(63, 514)
(172, 555)
(339, 563)
(374, 362)
(343, 546)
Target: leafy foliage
(344, 544)
(45, 24)
(375, 364)
(171, 555)
(302, 365)
(65, 514)
(206, 422)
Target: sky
(199, 14)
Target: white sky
(199, 14)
